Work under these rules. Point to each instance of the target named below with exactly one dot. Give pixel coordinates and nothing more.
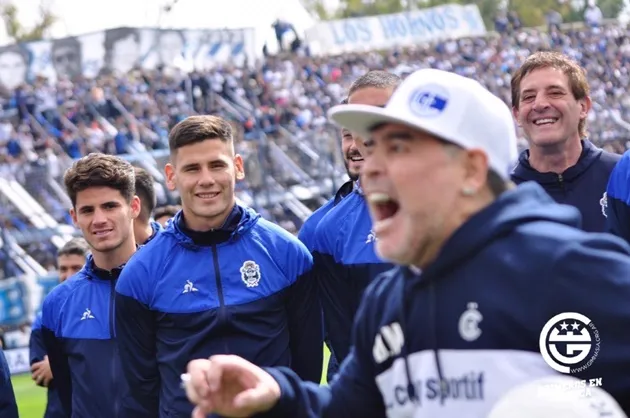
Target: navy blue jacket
(307, 231)
(582, 186)
(244, 289)
(79, 337)
(344, 264)
(54, 409)
(474, 317)
(8, 406)
(617, 200)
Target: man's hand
(41, 373)
(231, 387)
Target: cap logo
(428, 101)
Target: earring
(468, 191)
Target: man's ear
(476, 171)
(239, 167)
(73, 215)
(515, 114)
(585, 106)
(136, 207)
(169, 172)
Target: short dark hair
(100, 170)
(199, 128)
(168, 210)
(145, 190)
(76, 246)
(376, 79)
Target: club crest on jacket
(250, 273)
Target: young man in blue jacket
(78, 315)
(70, 260)
(343, 244)
(352, 160)
(550, 101)
(494, 283)
(218, 280)
(8, 405)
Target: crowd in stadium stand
(44, 126)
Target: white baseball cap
(448, 106)
(556, 397)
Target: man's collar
(357, 188)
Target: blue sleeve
(53, 344)
(337, 297)
(37, 351)
(136, 336)
(353, 393)
(8, 405)
(618, 199)
(307, 232)
(305, 317)
(591, 278)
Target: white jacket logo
(604, 204)
(388, 342)
(469, 323)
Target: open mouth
(207, 196)
(354, 156)
(384, 209)
(102, 233)
(545, 121)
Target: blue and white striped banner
(122, 49)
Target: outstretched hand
(230, 386)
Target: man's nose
(373, 166)
(541, 103)
(206, 179)
(99, 217)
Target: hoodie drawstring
(411, 389)
(434, 338)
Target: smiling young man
(343, 242)
(550, 101)
(78, 315)
(70, 260)
(218, 279)
(352, 160)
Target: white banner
(18, 359)
(121, 49)
(401, 29)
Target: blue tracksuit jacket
(79, 337)
(307, 231)
(54, 409)
(344, 264)
(617, 200)
(582, 186)
(474, 317)
(307, 236)
(244, 289)
(8, 406)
